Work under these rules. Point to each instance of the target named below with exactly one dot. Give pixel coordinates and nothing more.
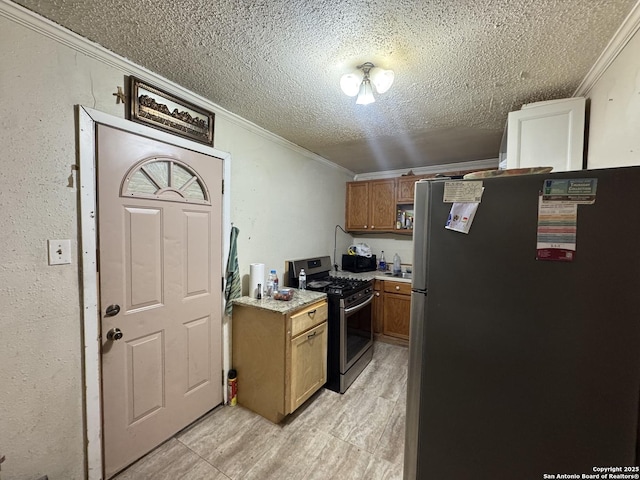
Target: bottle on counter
(270, 278)
(397, 265)
(302, 280)
(276, 283)
(382, 265)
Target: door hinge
(223, 186)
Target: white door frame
(87, 119)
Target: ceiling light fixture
(359, 83)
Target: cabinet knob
(365, 226)
(377, 294)
(397, 287)
(372, 226)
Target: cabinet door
(405, 188)
(308, 364)
(382, 204)
(548, 134)
(357, 209)
(397, 312)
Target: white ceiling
(460, 66)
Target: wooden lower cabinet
(281, 359)
(397, 309)
(308, 371)
(392, 311)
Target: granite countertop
(377, 275)
(301, 298)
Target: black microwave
(357, 263)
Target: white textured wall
(285, 206)
(41, 409)
(614, 130)
(284, 203)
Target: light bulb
(350, 83)
(365, 95)
(382, 79)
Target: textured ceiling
(460, 66)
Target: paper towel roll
(256, 276)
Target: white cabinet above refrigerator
(547, 134)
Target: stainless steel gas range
(350, 332)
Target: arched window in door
(165, 179)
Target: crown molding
(625, 32)
(449, 167)
(53, 31)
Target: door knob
(114, 334)
(112, 310)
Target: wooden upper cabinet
(371, 205)
(382, 204)
(357, 213)
(405, 188)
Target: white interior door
(160, 274)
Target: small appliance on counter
(358, 263)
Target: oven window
(359, 333)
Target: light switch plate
(59, 252)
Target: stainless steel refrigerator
(521, 367)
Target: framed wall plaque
(158, 109)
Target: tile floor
(358, 435)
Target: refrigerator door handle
(420, 238)
(414, 383)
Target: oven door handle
(359, 306)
